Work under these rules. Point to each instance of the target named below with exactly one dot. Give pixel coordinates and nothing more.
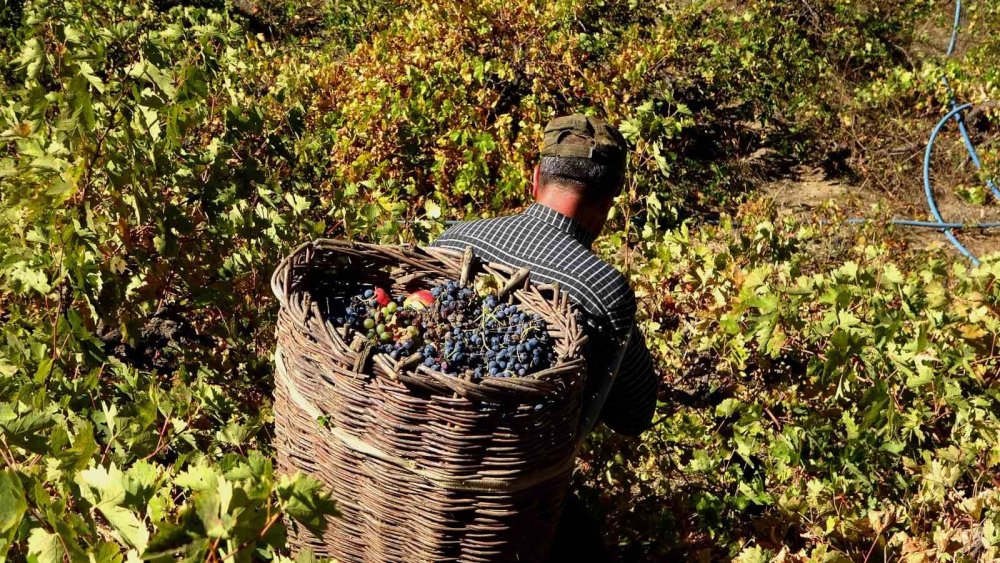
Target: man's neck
(572, 206)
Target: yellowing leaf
(433, 209)
(44, 547)
(891, 274)
(972, 332)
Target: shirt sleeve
(445, 238)
(632, 399)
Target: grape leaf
(174, 542)
(433, 209)
(105, 488)
(28, 431)
(306, 500)
(213, 508)
(127, 525)
(45, 547)
(12, 501)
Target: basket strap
(480, 484)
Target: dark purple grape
(460, 334)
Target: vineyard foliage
(829, 394)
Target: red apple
(419, 299)
(382, 297)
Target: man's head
(582, 168)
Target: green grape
(369, 323)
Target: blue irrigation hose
(928, 190)
(954, 28)
(954, 112)
(928, 224)
(969, 147)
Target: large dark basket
(424, 466)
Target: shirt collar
(560, 222)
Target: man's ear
(535, 181)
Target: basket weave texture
(424, 466)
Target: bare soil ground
(808, 190)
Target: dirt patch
(809, 190)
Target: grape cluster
(387, 324)
(516, 343)
(459, 333)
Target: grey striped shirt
(556, 248)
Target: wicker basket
(424, 466)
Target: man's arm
(632, 400)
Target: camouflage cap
(581, 136)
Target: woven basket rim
(521, 389)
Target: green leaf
(140, 484)
(88, 72)
(727, 408)
(256, 467)
(177, 541)
(213, 508)
(45, 547)
(919, 379)
(299, 204)
(304, 499)
(893, 447)
(102, 485)
(849, 270)
(84, 449)
(30, 278)
(106, 552)
(924, 373)
(49, 163)
(44, 368)
(27, 431)
(200, 477)
(32, 57)
(892, 275)
(105, 489)
(850, 425)
(12, 502)
(127, 524)
(847, 320)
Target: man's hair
(594, 179)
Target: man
(581, 170)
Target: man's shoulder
(474, 227)
(597, 284)
(602, 273)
